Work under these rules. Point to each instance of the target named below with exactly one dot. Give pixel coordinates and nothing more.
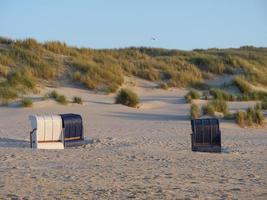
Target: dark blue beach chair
(206, 135)
(72, 129)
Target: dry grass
(127, 97)
(104, 69)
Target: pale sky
(176, 24)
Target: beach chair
(47, 132)
(206, 135)
(73, 129)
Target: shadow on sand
(14, 143)
(150, 117)
(166, 99)
(101, 102)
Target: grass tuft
(127, 97)
(62, 100)
(194, 111)
(163, 86)
(252, 117)
(77, 100)
(192, 94)
(26, 102)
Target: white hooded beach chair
(47, 132)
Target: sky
(173, 24)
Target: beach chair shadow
(13, 143)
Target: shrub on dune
(77, 100)
(7, 94)
(26, 102)
(221, 94)
(53, 94)
(62, 100)
(242, 84)
(77, 76)
(220, 106)
(252, 117)
(264, 104)
(163, 86)
(127, 97)
(112, 88)
(240, 118)
(215, 106)
(208, 109)
(58, 97)
(194, 111)
(192, 94)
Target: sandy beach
(130, 153)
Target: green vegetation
(242, 84)
(264, 104)
(127, 97)
(252, 117)
(220, 106)
(215, 106)
(194, 111)
(27, 63)
(53, 94)
(220, 94)
(192, 94)
(240, 118)
(26, 102)
(208, 109)
(247, 91)
(7, 94)
(57, 97)
(77, 100)
(62, 100)
(163, 86)
(261, 105)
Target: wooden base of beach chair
(206, 148)
(51, 145)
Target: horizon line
(130, 46)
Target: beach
(130, 153)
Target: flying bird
(153, 38)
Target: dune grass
(77, 100)
(220, 94)
(163, 86)
(58, 97)
(62, 100)
(127, 97)
(194, 111)
(252, 117)
(215, 106)
(25, 63)
(192, 94)
(242, 84)
(240, 118)
(7, 94)
(208, 109)
(26, 102)
(264, 104)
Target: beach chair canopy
(47, 131)
(72, 126)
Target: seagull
(153, 38)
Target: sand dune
(130, 153)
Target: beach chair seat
(206, 135)
(47, 132)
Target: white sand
(130, 153)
